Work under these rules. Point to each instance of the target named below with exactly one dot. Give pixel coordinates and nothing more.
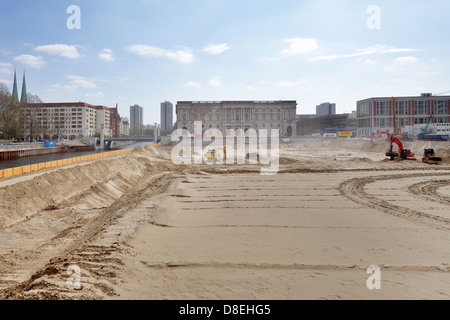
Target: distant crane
(397, 129)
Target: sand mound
(92, 185)
(150, 151)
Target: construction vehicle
(430, 157)
(210, 155)
(403, 154)
(425, 136)
(381, 133)
(213, 155)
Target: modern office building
(70, 120)
(311, 124)
(377, 114)
(225, 115)
(136, 120)
(326, 109)
(166, 116)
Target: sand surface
(139, 227)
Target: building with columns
(225, 115)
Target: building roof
(67, 105)
(15, 94)
(23, 98)
(238, 102)
(408, 98)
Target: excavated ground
(139, 227)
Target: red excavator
(403, 154)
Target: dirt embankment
(50, 218)
(59, 188)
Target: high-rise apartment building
(136, 120)
(166, 116)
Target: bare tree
(10, 126)
(33, 98)
(31, 114)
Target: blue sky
(148, 51)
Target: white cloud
(299, 46)
(145, 51)
(106, 54)
(4, 52)
(193, 84)
(62, 88)
(406, 60)
(6, 81)
(214, 82)
(82, 82)
(291, 84)
(95, 95)
(378, 49)
(62, 50)
(216, 49)
(6, 68)
(31, 61)
(370, 61)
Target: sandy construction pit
(139, 227)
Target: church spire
(23, 98)
(15, 94)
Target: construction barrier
(7, 173)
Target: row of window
(384, 122)
(256, 126)
(420, 108)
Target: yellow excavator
(211, 154)
(430, 158)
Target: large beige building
(64, 120)
(225, 115)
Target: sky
(127, 52)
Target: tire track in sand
(429, 191)
(354, 189)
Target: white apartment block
(124, 127)
(64, 120)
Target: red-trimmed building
(115, 121)
(377, 114)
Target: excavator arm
(403, 153)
